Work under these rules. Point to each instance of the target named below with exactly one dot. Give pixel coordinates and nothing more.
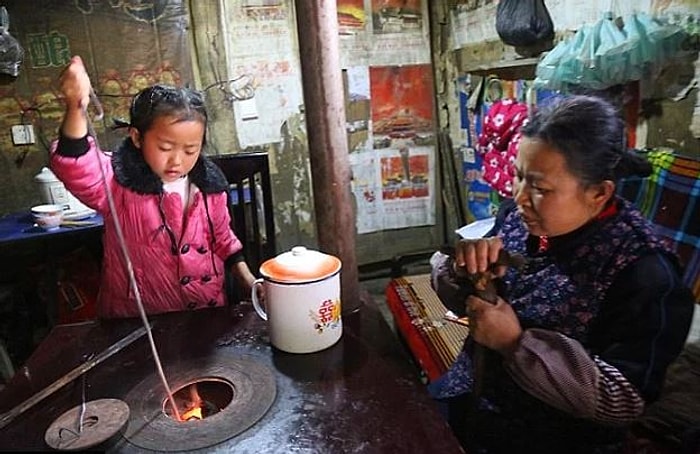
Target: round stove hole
(200, 399)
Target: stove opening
(200, 399)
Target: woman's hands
(493, 325)
(75, 88)
(476, 256)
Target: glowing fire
(194, 413)
(194, 409)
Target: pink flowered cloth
(499, 141)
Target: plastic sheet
(609, 53)
(11, 53)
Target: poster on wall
(383, 32)
(351, 17)
(407, 186)
(393, 177)
(397, 16)
(367, 191)
(261, 44)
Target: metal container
(301, 300)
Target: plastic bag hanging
(642, 51)
(11, 53)
(666, 38)
(557, 69)
(606, 53)
(525, 24)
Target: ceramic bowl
(48, 217)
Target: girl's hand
(493, 325)
(75, 85)
(244, 277)
(76, 89)
(476, 256)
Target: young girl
(170, 200)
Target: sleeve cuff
(72, 147)
(235, 258)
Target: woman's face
(171, 146)
(550, 199)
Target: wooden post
(324, 104)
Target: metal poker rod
(9, 416)
(99, 114)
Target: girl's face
(550, 199)
(171, 146)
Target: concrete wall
(462, 38)
(206, 57)
(124, 50)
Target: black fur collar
(133, 172)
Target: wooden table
(360, 395)
(32, 263)
(18, 230)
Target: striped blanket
(670, 198)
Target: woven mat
(419, 314)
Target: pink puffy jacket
(178, 261)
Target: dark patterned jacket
(603, 313)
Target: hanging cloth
(499, 141)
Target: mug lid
(300, 265)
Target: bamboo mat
(419, 314)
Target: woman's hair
(184, 104)
(589, 132)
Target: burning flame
(194, 409)
(193, 413)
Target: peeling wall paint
(294, 209)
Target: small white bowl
(48, 217)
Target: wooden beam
(324, 104)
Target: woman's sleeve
(642, 329)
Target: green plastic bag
(604, 54)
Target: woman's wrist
(509, 348)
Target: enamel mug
(302, 300)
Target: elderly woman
(579, 338)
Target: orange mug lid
(300, 265)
